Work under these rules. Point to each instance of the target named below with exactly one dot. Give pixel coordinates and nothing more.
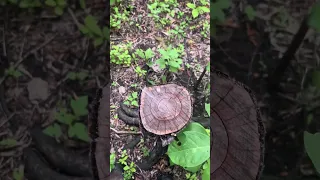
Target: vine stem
(275, 78)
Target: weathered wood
(237, 131)
(165, 109)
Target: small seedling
(11, 71)
(119, 54)
(250, 12)
(93, 31)
(129, 170)
(117, 18)
(145, 151)
(196, 11)
(140, 71)
(58, 5)
(112, 160)
(170, 58)
(132, 99)
(114, 84)
(18, 173)
(192, 176)
(146, 55)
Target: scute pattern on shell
(165, 109)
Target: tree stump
(165, 109)
(237, 131)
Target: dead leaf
(122, 90)
(38, 89)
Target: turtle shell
(165, 109)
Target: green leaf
(58, 10)
(61, 3)
(84, 29)
(135, 103)
(161, 63)
(72, 75)
(316, 79)
(173, 69)
(193, 151)
(191, 5)
(149, 53)
(196, 127)
(140, 53)
(51, 3)
(106, 32)
(134, 95)
(174, 64)
(314, 17)
(53, 130)
(64, 117)
(112, 2)
(126, 168)
(126, 103)
(79, 106)
(250, 12)
(195, 13)
(18, 173)
(206, 171)
(79, 131)
(92, 24)
(98, 41)
(8, 142)
(82, 75)
(82, 4)
(207, 107)
(193, 169)
(312, 146)
(223, 4)
(204, 9)
(112, 160)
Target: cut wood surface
(237, 131)
(165, 109)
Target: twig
(27, 54)
(74, 18)
(125, 132)
(200, 78)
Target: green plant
(170, 58)
(314, 18)
(217, 14)
(205, 29)
(311, 143)
(192, 176)
(119, 54)
(250, 12)
(81, 75)
(58, 5)
(11, 71)
(192, 149)
(8, 143)
(207, 108)
(146, 55)
(117, 18)
(166, 7)
(196, 11)
(75, 129)
(130, 169)
(114, 84)
(132, 99)
(112, 160)
(91, 29)
(140, 71)
(18, 173)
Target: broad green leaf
(72, 75)
(92, 24)
(53, 130)
(18, 173)
(79, 131)
(135, 103)
(207, 107)
(61, 3)
(8, 142)
(51, 3)
(82, 75)
(126, 103)
(84, 29)
(223, 4)
(106, 32)
(193, 169)
(316, 79)
(195, 13)
(79, 106)
(206, 171)
(173, 69)
(204, 9)
(140, 53)
(312, 146)
(98, 41)
(65, 118)
(314, 17)
(134, 95)
(58, 10)
(149, 53)
(83, 4)
(161, 63)
(250, 12)
(194, 126)
(174, 64)
(193, 151)
(191, 5)
(112, 160)
(112, 2)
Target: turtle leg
(128, 115)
